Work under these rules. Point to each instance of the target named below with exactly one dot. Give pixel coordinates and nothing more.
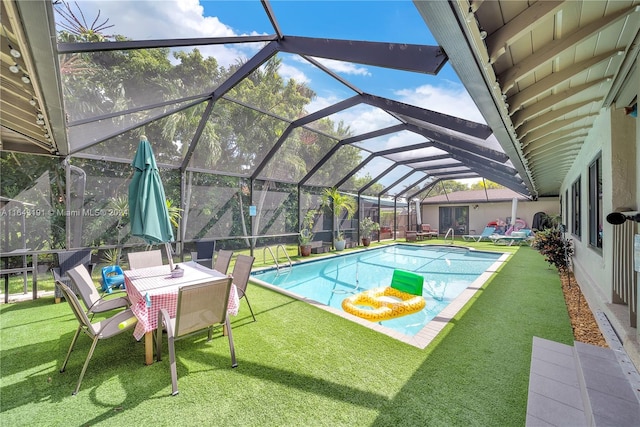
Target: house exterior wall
(617, 137)
(589, 264)
(491, 211)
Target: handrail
(285, 253)
(453, 235)
(264, 261)
(276, 257)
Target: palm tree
(339, 203)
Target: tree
(234, 139)
(484, 184)
(340, 204)
(450, 186)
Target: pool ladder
(453, 235)
(276, 256)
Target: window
(562, 203)
(595, 203)
(456, 217)
(566, 211)
(575, 208)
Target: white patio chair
(144, 259)
(81, 278)
(199, 307)
(97, 331)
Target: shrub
(367, 225)
(554, 247)
(306, 233)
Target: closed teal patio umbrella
(147, 202)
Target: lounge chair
(199, 307)
(516, 237)
(427, 231)
(488, 231)
(319, 247)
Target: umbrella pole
(167, 246)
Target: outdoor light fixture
(14, 52)
(617, 218)
(26, 79)
(32, 101)
(15, 68)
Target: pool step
(583, 385)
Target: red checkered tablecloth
(152, 289)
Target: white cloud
(344, 67)
(320, 102)
(451, 99)
(404, 138)
(290, 72)
(153, 19)
(363, 118)
(167, 19)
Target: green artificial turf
(297, 365)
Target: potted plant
(306, 234)
(367, 225)
(340, 204)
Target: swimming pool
(448, 271)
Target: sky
(390, 21)
(393, 21)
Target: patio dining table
(154, 288)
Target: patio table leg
(148, 348)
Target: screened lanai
(249, 122)
(256, 106)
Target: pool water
(447, 272)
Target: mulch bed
(585, 327)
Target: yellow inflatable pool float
(383, 307)
(403, 297)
